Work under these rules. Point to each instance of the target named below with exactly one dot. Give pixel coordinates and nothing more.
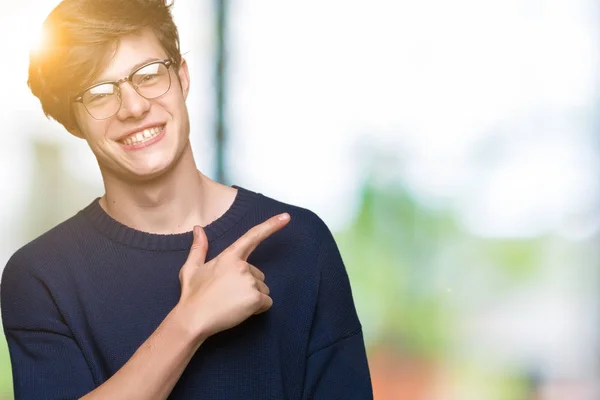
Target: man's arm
(46, 360)
(157, 365)
(48, 363)
(337, 365)
(215, 296)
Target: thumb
(199, 247)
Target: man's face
(146, 136)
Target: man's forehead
(131, 52)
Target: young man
(123, 301)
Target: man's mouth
(142, 136)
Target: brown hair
(78, 38)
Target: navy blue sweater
(78, 301)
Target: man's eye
(98, 97)
(147, 78)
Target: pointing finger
(246, 244)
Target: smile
(142, 136)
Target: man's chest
(124, 301)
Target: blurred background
(452, 148)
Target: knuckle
(255, 297)
(243, 266)
(183, 273)
(252, 282)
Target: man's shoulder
(50, 245)
(304, 221)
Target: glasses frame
(166, 62)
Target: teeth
(142, 136)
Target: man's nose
(133, 105)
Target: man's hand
(222, 293)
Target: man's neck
(172, 203)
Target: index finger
(246, 244)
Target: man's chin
(136, 174)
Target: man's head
(94, 41)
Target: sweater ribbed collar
(128, 236)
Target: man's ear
(184, 77)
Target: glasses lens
(152, 81)
(102, 101)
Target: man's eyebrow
(133, 68)
(148, 60)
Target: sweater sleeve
(46, 361)
(337, 365)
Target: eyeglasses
(103, 100)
